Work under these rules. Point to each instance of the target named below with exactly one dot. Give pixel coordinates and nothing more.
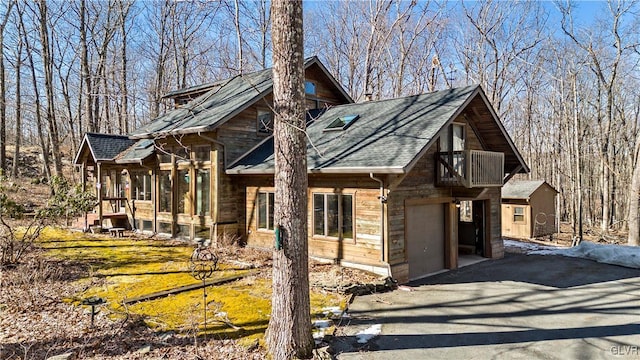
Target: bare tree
(3, 90)
(289, 332)
(605, 66)
(18, 71)
(47, 64)
(38, 112)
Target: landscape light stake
(203, 263)
(93, 302)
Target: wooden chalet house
(390, 181)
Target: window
(342, 123)
(453, 138)
(140, 185)
(164, 155)
(146, 225)
(202, 233)
(164, 228)
(203, 185)
(333, 215)
(202, 153)
(265, 122)
(309, 88)
(466, 211)
(518, 214)
(165, 191)
(183, 154)
(265, 210)
(183, 231)
(183, 195)
(452, 142)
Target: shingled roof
(136, 153)
(388, 137)
(223, 101)
(104, 147)
(522, 189)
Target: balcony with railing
(470, 168)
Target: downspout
(383, 200)
(217, 180)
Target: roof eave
(331, 170)
(426, 148)
(525, 168)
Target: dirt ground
(565, 237)
(37, 322)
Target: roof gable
(523, 189)
(223, 101)
(103, 147)
(388, 137)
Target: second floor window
(309, 88)
(265, 122)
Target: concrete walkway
(520, 307)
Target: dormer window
(342, 123)
(309, 88)
(265, 122)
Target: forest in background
(563, 84)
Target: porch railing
(470, 168)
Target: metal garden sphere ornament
(203, 263)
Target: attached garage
(425, 239)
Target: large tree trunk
(84, 69)
(124, 114)
(16, 152)
(3, 90)
(289, 333)
(48, 79)
(634, 193)
(36, 94)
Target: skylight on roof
(342, 123)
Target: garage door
(425, 239)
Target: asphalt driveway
(519, 307)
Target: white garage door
(425, 239)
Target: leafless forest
(564, 84)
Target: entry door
(425, 239)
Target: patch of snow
(335, 310)
(628, 256)
(318, 335)
(526, 246)
(369, 333)
(322, 324)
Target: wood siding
(419, 186)
(364, 249)
(539, 217)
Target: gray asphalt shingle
(107, 146)
(387, 136)
(139, 151)
(520, 189)
(211, 108)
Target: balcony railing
(470, 168)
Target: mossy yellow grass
(125, 268)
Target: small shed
(528, 209)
